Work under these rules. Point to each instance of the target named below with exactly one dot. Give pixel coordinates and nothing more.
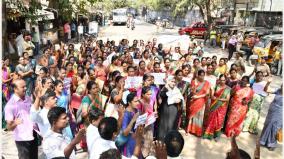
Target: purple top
(233, 41)
(18, 108)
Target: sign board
(93, 27)
(159, 78)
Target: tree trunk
(208, 12)
(4, 29)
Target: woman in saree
(196, 66)
(43, 73)
(115, 98)
(100, 70)
(186, 73)
(273, 122)
(200, 89)
(127, 129)
(6, 80)
(79, 80)
(235, 67)
(115, 65)
(147, 82)
(167, 67)
(91, 100)
(260, 88)
(79, 83)
(232, 80)
(242, 94)
(146, 107)
(184, 88)
(171, 101)
(182, 85)
(221, 68)
(217, 111)
(142, 69)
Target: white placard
(133, 82)
(150, 119)
(77, 47)
(57, 47)
(258, 88)
(136, 61)
(141, 120)
(159, 78)
(176, 56)
(124, 96)
(187, 79)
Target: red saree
(196, 107)
(216, 114)
(237, 110)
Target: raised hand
(139, 134)
(120, 110)
(160, 149)
(18, 121)
(80, 135)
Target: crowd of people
(117, 99)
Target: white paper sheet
(133, 82)
(141, 120)
(150, 119)
(159, 78)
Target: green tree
(109, 5)
(30, 11)
(179, 8)
(64, 8)
(205, 8)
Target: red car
(196, 29)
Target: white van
(119, 16)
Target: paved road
(195, 148)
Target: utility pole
(235, 10)
(247, 6)
(270, 17)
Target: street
(194, 148)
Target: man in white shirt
(39, 115)
(115, 154)
(28, 46)
(170, 149)
(19, 44)
(80, 31)
(55, 143)
(107, 130)
(174, 144)
(95, 116)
